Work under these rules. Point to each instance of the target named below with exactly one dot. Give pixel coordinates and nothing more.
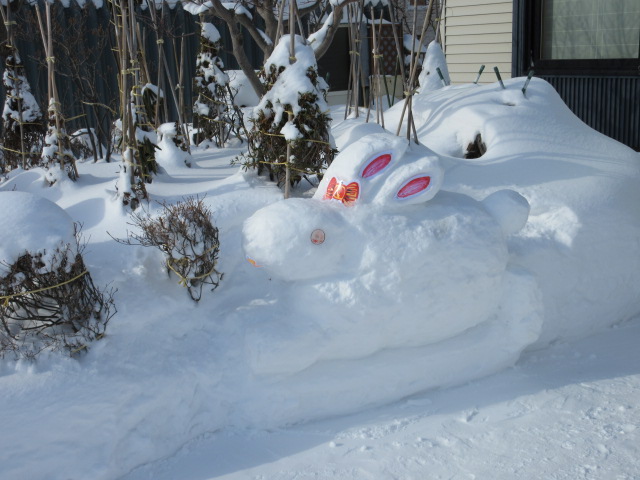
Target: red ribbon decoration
(347, 194)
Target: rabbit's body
(388, 269)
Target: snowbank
(581, 238)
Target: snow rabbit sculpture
(376, 260)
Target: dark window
(590, 29)
(581, 36)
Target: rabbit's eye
(317, 237)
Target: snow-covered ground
(251, 383)
(567, 412)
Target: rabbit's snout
(298, 239)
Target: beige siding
(489, 59)
(494, 20)
(478, 32)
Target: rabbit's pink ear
(414, 186)
(376, 165)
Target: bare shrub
(186, 235)
(49, 302)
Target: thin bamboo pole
(292, 60)
(397, 41)
(359, 66)
(280, 23)
(377, 93)
(412, 73)
(353, 89)
(54, 103)
(183, 110)
(160, 44)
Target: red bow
(347, 194)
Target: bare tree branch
(230, 18)
(321, 49)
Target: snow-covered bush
(56, 152)
(47, 297)
(20, 110)
(186, 235)
(144, 121)
(81, 145)
(212, 114)
(138, 145)
(294, 89)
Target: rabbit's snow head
(376, 196)
(301, 239)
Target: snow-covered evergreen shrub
(81, 143)
(186, 235)
(20, 107)
(57, 156)
(116, 136)
(138, 149)
(295, 88)
(146, 138)
(212, 114)
(48, 302)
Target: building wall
(478, 32)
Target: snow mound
(380, 261)
(581, 239)
(429, 79)
(168, 155)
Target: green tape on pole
(479, 73)
(526, 83)
(495, 69)
(444, 82)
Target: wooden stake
(292, 60)
(413, 70)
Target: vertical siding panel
(610, 105)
